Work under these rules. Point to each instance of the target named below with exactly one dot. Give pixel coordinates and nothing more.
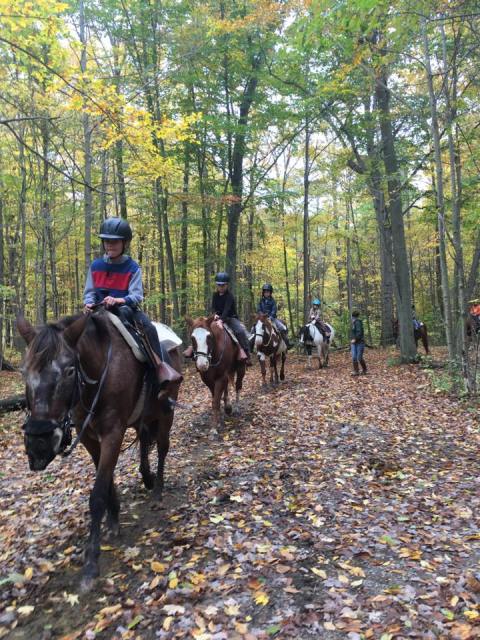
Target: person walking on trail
(224, 309)
(315, 315)
(357, 344)
(115, 280)
(268, 306)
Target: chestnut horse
(269, 342)
(216, 358)
(80, 372)
(419, 334)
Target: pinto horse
(419, 334)
(312, 336)
(216, 359)
(80, 372)
(269, 343)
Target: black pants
(129, 315)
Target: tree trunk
(440, 197)
(87, 151)
(184, 234)
(306, 225)
(236, 178)
(402, 277)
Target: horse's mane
(203, 321)
(47, 343)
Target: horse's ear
(189, 321)
(75, 330)
(210, 319)
(25, 329)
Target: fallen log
(13, 403)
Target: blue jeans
(357, 351)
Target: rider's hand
(352, 341)
(88, 308)
(110, 301)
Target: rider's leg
(167, 376)
(242, 336)
(282, 328)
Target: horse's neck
(92, 348)
(218, 334)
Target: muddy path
(329, 507)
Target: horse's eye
(70, 372)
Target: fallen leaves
(326, 507)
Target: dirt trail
(330, 507)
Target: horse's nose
(202, 363)
(258, 341)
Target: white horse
(310, 337)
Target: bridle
(262, 335)
(209, 354)
(35, 427)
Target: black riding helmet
(267, 287)
(222, 278)
(115, 229)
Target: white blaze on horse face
(200, 334)
(258, 333)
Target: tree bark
(87, 150)
(306, 223)
(402, 277)
(439, 197)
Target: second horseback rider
(268, 306)
(115, 280)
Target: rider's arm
(89, 294)
(227, 309)
(273, 312)
(135, 289)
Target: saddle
(135, 340)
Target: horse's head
(263, 329)
(203, 342)
(51, 381)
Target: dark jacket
(224, 306)
(268, 306)
(356, 332)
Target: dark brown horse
(216, 358)
(81, 372)
(420, 333)
(269, 343)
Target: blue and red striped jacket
(122, 279)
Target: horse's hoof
(148, 480)
(87, 583)
(113, 530)
(228, 409)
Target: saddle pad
(230, 333)
(126, 335)
(167, 336)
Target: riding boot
(168, 378)
(188, 353)
(243, 355)
(364, 366)
(355, 371)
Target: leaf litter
(329, 507)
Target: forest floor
(330, 507)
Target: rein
(262, 336)
(91, 411)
